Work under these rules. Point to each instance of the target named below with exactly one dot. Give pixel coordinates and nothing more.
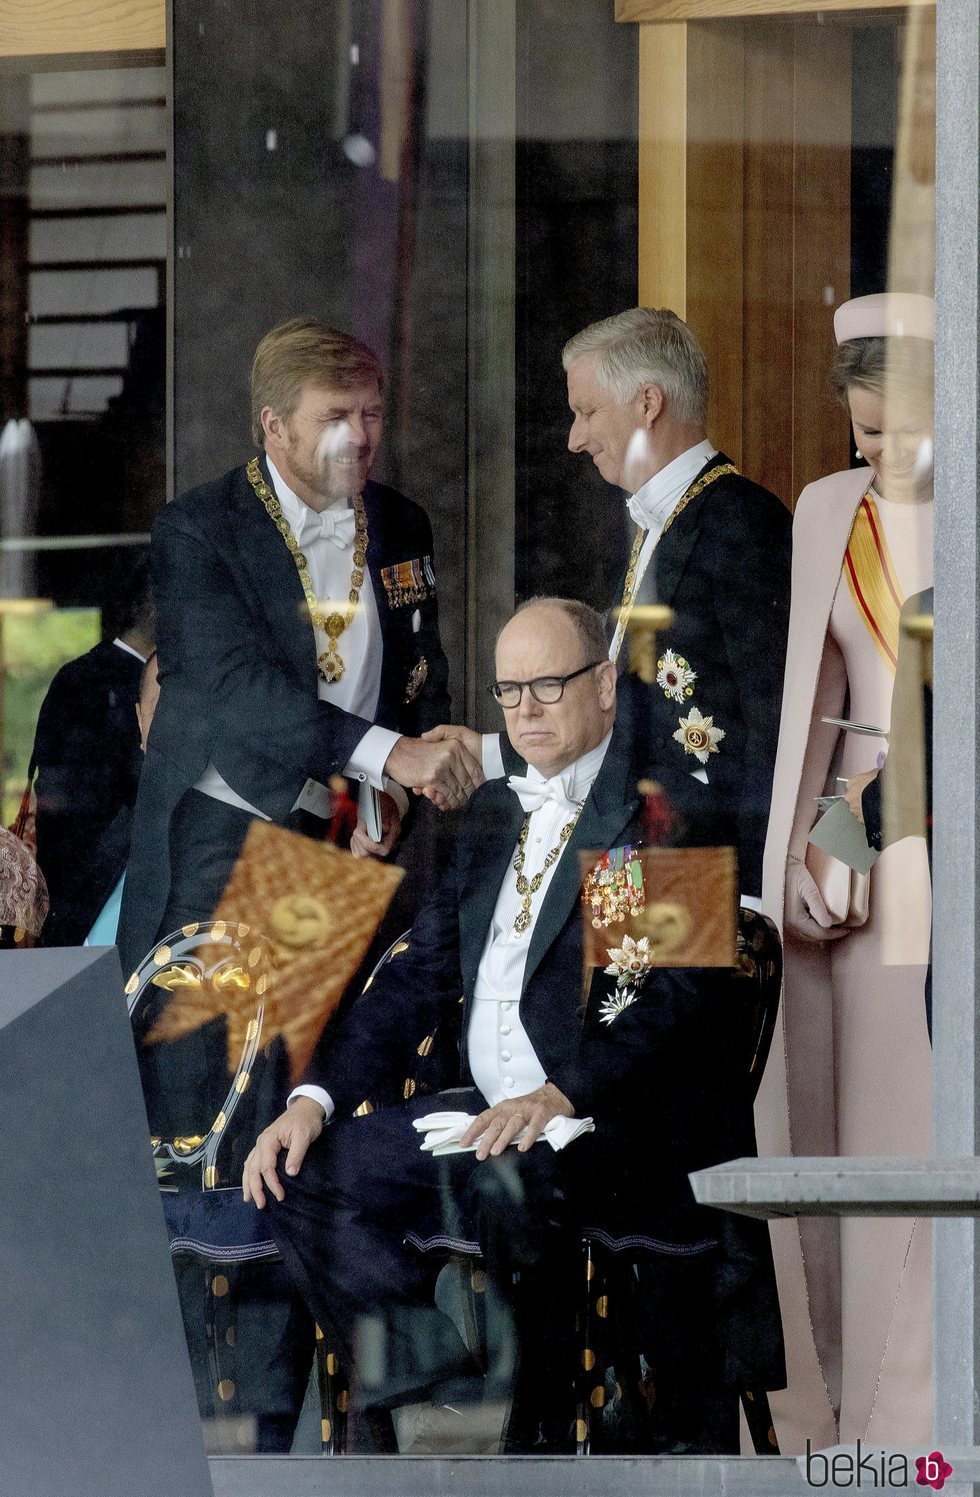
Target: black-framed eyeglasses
(545, 689)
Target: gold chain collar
(528, 889)
(698, 487)
(329, 665)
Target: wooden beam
(912, 242)
(36, 28)
(715, 200)
(663, 168)
(720, 10)
(767, 350)
(821, 244)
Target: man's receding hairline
(581, 618)
(545, 606)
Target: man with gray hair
(709, 543)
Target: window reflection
(464, 190)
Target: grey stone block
(842, 1187)
(98, 1399)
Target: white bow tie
(533, 794)
(334, 524)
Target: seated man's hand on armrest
(444, 772)
(498, 1126)
(294, 1130)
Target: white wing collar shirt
(327, 540)
(650, 508)
(502, 1059)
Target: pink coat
(815, 683)
(814, 1094)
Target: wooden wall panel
(912, 243)
(821, 243)
(767, 347)
(715, 132)
(663, 167)
(745, 226)
(34, 28)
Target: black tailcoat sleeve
(237, 662)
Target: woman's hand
(805, 913)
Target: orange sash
(873, 581)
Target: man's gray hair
(588, 624)
(646, 345)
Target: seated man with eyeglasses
(582, 1104)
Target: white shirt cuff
(318, 1094)
(491, 756)
(367, 762)
(750, 902)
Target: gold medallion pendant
(330, 664)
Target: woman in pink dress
(851, 1072)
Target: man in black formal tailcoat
(498, 958)
(88, 758)
(709, 543)
(298, 639)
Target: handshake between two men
(443, 765)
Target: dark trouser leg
(206, 837)
(264, 1373)
(341, 1226)
(518, 1207)
(257, 1359)
(695, 1413)
(341, 1229)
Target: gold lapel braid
(329, 665)
(629, 587)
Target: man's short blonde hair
(305, 352)
(646, 345)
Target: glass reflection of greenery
(35, 647)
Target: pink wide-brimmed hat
(891, 314)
